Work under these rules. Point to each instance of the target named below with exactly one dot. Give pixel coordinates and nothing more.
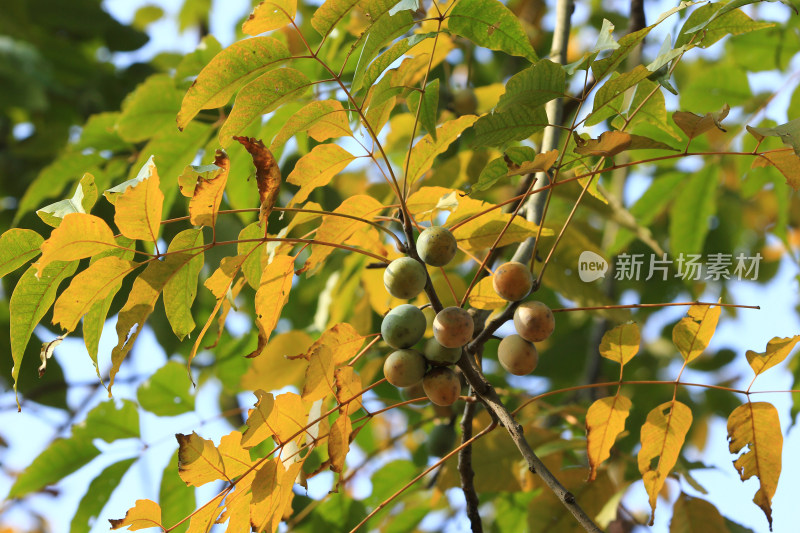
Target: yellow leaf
(319, 374)
(339, 229)
(79, 235)
(203, 520)
(88, 287)
(483, 295)
(425, 203)
(143, 515)
(273, 369)
(207, 196)
(200, 462)
(621, 343)
(322, 120)
(663, 434)
(271, 296)
(691, 515)
(317, 168)
(219, 282)
(288, 417)
(348, 386)
(693, 333)
(272, 494)
(757, 426)
(339, 442)
(137, 211)
(605, 420)
(425, 151)
(778, 349)
(482, 232)
(342, 339)
(787, 163)
(257, 428)
(235, 458)
(270, 15)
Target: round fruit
(512, 281)
(534, 321)
(404, 368)
(442, 386)
(441, 440)
(517, 356)
(403, 326)
(465, 102)
(436, 246)
(453, 327)
(437, 354)
(413, 392)
(405, 278)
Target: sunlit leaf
(317, 168)
(168, 392)
(425, 151)
(663, 434)
(220, 281)
(621, 343)
(383, 61)
(483, 295)
(534, 86)
(270, 15)
(201, 462)
(319, 374)
(777, 350)
(258, 429)
(329, 14)
(787, 164)
(343, 341)
(339, 442)
(348, 386)
(271, 296)
(500, 128)
(268, 175)
(137, 210)
(323, 120)
(618, 85)
(181, 289)
(430, 104)
(693, 333)
(79, 236)
(32, 297)
(605, 420)
(207, 190)
(757, 426)
(482, 232)
(427, 202)
(229, 70)
(262, 95)
(89, 287)
(143, 515)
(81, 202)
(149, 108)
(626, 44)
(272, 494)
(490, 24)
(273, 369)
(17, 247)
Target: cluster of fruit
(404, 326)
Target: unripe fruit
(442, 386)
(453, 327)
(436, 246)
(517, 356)
(405, 278)
(534, 321)
(441, 440)
(512, 281)
(465, 102)
(404, 368)
(403, 326)
(437, 354)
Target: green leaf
(107, 422)
(425, 151)
(789, 133)
(60, 459)
(717, 21)
(322, 120)
(149, 108)
(533, 86)
(605, 38)
(490, 24)
(167, 392)
(330, 13)
(192, 63)
(690, 213)
(176, 498)
(229, 70)
(100, 133)
(430, 105)
(98, 494)
(617, 86)
(368, 77)
(17, 247)
(493, 171)
(498, 129)
(31, 299)
(260, 96)
(603, 67)
(181, 289)
(717, 84)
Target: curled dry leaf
(268, 174)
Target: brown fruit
(517, 356)
(512, 281)
(453, 327)
(442, 386)
(534, 321)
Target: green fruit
(436, 246)
(405, 278)
(512, 281)
(453, 327)
(413, 392)
(441, 440)
(517, 356)
(404, 368)
(534, 321)
(403, 326)
(442, 385)
(465, 102)
(437, 354)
